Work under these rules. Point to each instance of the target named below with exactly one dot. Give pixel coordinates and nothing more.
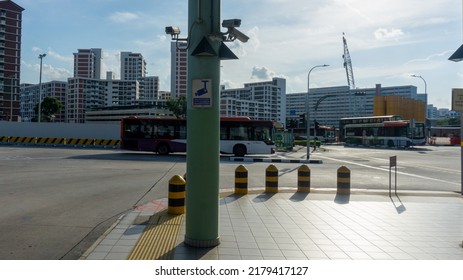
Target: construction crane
(348, 64)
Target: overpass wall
(60, 130)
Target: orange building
(407, 108)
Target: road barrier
(241, 180)
(303, 179)
(76, 142)
(343, 186)
(176, 198)
(51, 141)
(271, 179)
(22, 140)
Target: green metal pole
(203, 127)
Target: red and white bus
(238, 136)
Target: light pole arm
(307, 113)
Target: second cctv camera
(172, 30)
(231, 23)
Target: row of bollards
(177, 185)
(303, 180)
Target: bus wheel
(163, 149)
(239, 150)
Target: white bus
(382, 131)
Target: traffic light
(316, 124)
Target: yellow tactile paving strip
(158, 239)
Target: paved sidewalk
(292, 226)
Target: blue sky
(388, 40)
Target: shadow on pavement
(342, 198)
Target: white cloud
(384, 34)
(111, 62)
(54, 73)
(67, 59)
(49, 72)
(262, 73)
(123, 17)
(162, 38)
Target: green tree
(49, 107)
(454, 121)
(177, 106)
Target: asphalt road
(55, 202)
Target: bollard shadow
(399, 206)
(342, 198)
(263, 197)
(299, 196)
(185, 252)
(230, 198)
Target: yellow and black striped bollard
(241, 180)
(343, 180)
(176, 198)
(271, 179)
(303, 179)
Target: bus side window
(223, 133)
(259, 134)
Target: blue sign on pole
(202, 96)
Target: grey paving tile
(229, 257)
(291, 254)
(228, 244)
(117, 256)
(271, 253)
(250, 252)
(228, 251)
(97, 256)
(103, 248)
(288, 246)
(355, 255)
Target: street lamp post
(11, 96)
(307, 108)
(425, 85)
(425, 92)
(11, 99)
(41, 56)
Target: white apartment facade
(29, 98)
(260, 101)
(179, 69)
(133, 66)
(87, 63)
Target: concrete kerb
(101, 238)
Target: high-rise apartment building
(30, 98)
(87, 63)
(259, 101)
(10, 59)
(179, 69)
(133, 66)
